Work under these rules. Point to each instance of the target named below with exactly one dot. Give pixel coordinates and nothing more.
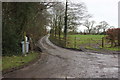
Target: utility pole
(65, 28)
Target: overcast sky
(102, 10)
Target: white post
(25, 44)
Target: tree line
(66, 18)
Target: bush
(113, 35)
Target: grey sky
(102, 10)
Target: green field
(93, 42)
(89, 41)
(15, 61)
(84, 40)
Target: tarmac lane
(57, 62)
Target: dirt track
(57, 62)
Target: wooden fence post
(102, 42)
(75, 42)
(89, 42)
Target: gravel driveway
(58, 62)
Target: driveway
(57, 62)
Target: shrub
(114, 35)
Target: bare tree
(98, 27)
(104, 25)
(75, 14)
(89, 25)
(57, 12)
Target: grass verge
(16, 61)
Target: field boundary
(64, 47)
(83, 49)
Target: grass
(15, 61)
(93, 42)
(90, 42)
(84, 40)
(113, 48)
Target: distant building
(119, 14)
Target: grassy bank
(15, 61)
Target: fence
(78, 42)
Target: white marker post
(25, 45)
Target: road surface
(57, 62)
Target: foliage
(113, 35)
(19, 18)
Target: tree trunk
(98, 32)
(89, 31)
(55, 31)
(65, 28)
(118, 38)
(59, 29)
